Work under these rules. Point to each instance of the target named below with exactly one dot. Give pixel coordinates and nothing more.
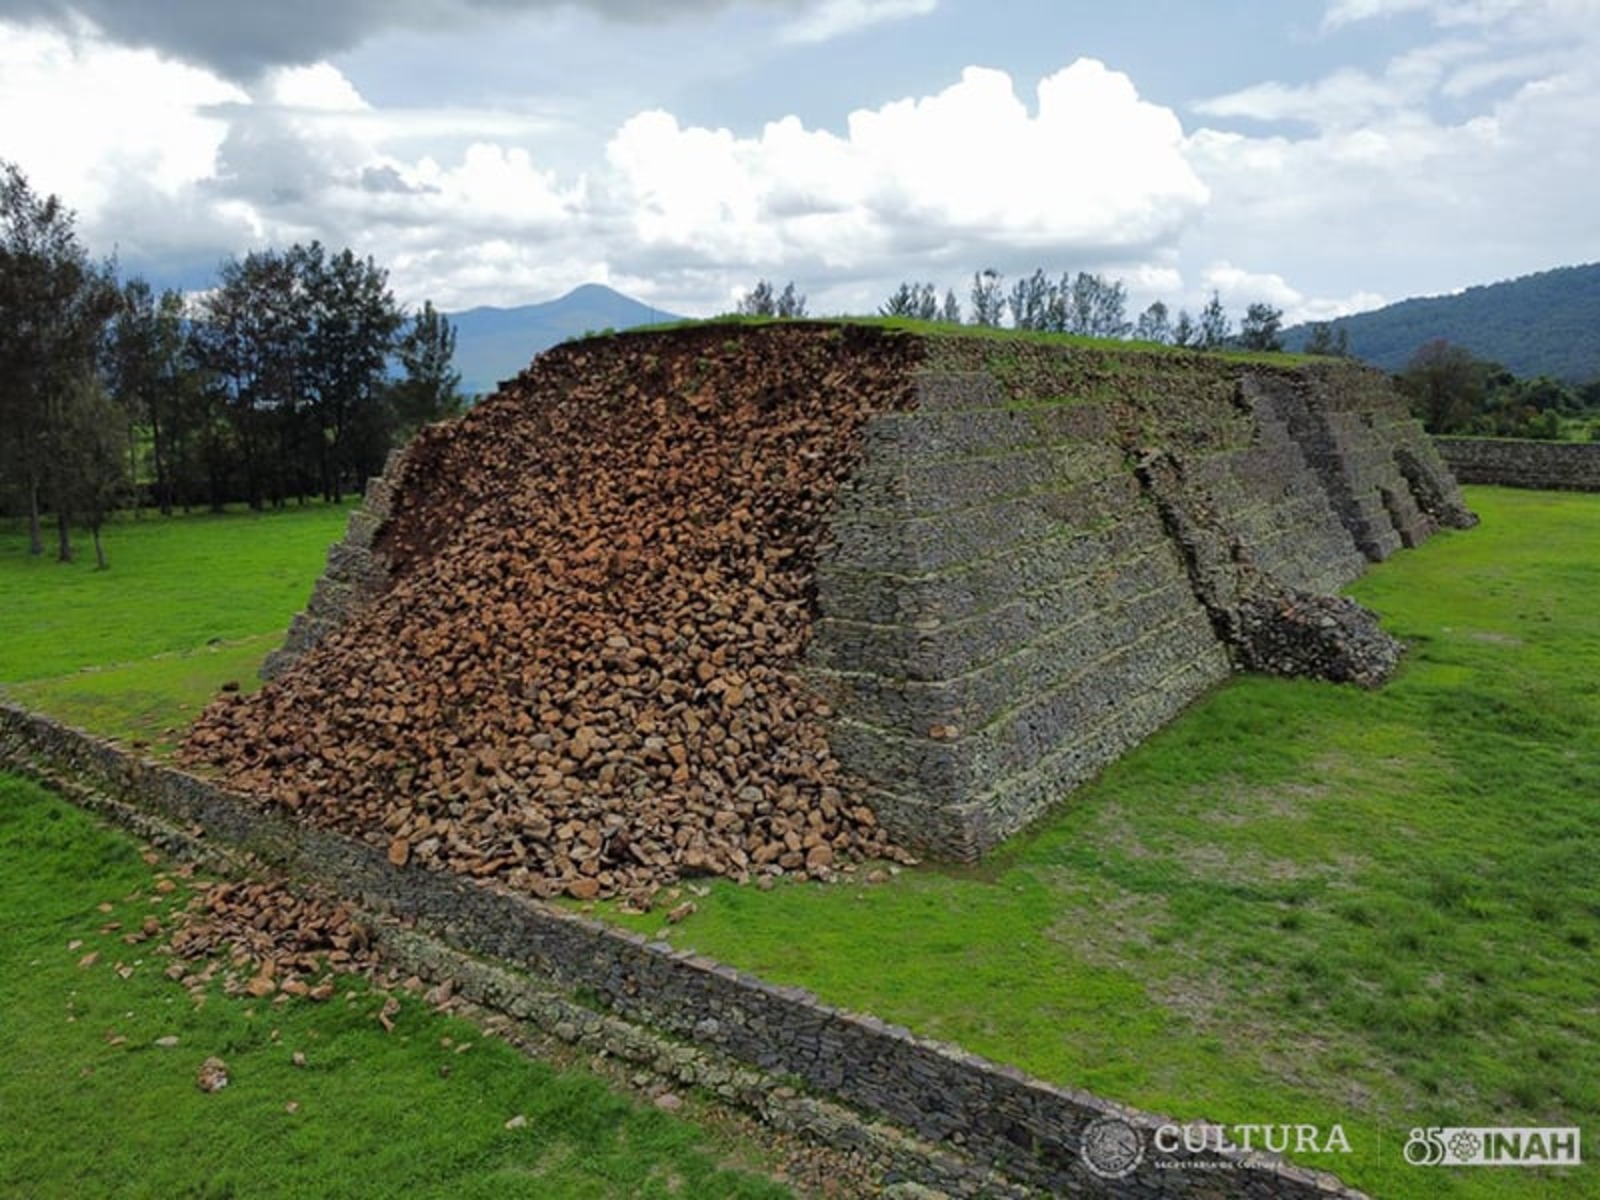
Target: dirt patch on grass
(1493, 637)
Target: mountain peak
(593, 291)
(493, 344)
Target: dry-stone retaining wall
(1056, 550)
(1563, 466)
(1013, 1133)
(355, 572)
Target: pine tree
(1215, 329)
(1261, 328)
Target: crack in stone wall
(1266, 624)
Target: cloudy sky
(1321, 155)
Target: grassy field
(188, 604)
(98, 1104)
(93, 1107)
(1300, 903)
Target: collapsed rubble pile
(265, 940)
(582, 678)
(1298, 633)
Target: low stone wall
(1558, 466)
(1027, 1130)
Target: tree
(1215, 328)
(1184, 331)
(32, 232)
(250, 340)
(296, 344)
(759, 301)
(212, 458)
(349, 326)
(1544, 394)
(94, 454)
(791, 304)
(915, 301)
(1030, 302)
(1520, 408)
(988, 298)
(951, 312)
(430, 387)
(1445, 385)
(1261, 328)
(1153, 325)
(764, 300)
(148, 376)
(1327, 340)
(1096, 307)
(54, 306)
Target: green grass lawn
(1298, 903)
(95, 1106)
(189, 603)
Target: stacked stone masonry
(1558, 466)
(992, 1130)
(1056, 550)
(354, 574)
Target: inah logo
(1111, 1147)
(1494, 1146)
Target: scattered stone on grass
(213, 1075)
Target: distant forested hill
(1544, 324)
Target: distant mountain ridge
(493, 344)
(1543, 324)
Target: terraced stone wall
(1558, 466)
(1001, 613)
(1056, 550)
(356, 572)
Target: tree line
(1086, 304)
(1452, 391)
(1090, 305)
(290, 379)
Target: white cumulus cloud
(1239, 288)
(1474, 137)
(170, 162)
(1093, 172)
(84, 116)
